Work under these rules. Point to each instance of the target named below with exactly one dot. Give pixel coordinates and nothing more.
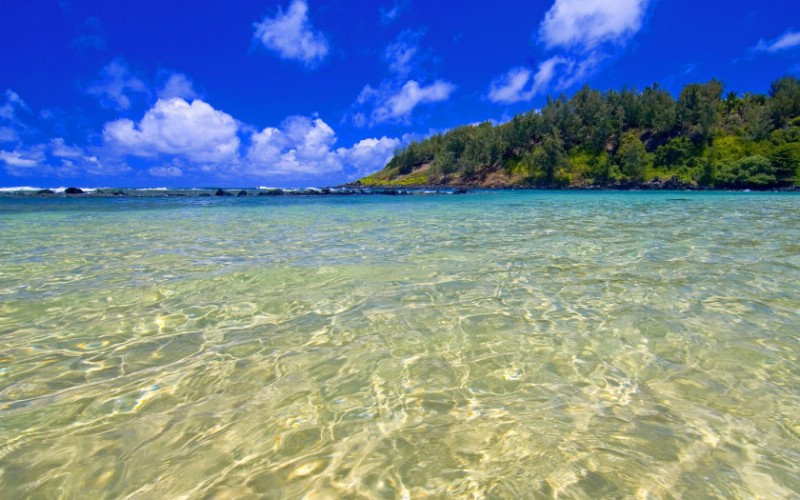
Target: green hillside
(706, 137)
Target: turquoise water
(500, 345)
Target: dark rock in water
(204, 195)
(73, 190)
(118, 193)
(271, 192)
(459, 191)
(242, 193)
(45, 191)
(220, 192)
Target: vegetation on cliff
(706, 137)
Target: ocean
(529, 344)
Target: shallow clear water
(504, 345)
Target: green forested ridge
(706, 137)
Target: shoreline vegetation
(707, 138)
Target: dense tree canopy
(705, 137)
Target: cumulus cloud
(788, 40)
(292, 36)
(116, 86)
(585, 24)
(369, 155)
(178, 85)
(173, 126)
(301, 146)
(304, 146)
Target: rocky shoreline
(358, 189)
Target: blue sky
(308, 92)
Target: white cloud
(788, 40)
(369, 155)
(165, 171)
(292, 36)
(116, 86)
(585, 24)
(22, 162)
(582, 32)
(396, 105)
(195, 131)
(21, 159)
(510, 88)
(521, 84)
(178, 85)
(303, 146)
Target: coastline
(359, 190)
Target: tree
(593, 116)
(549, 156)
(698, 108)
(784, 100)
(750, 172)
(632, 157)
(785, 161)
(658, 109)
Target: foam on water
(505, 345)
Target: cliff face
(619, 139)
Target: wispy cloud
(789, 40)
(400, 54)
(403, 89)
(389, 15)
(399, 105)
(89, 35)
(578, 34)
(521, 84)
(166, 171)
(116, 86)
(292, 36)
(10, 123)
(60, 149)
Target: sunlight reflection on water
(499, 345)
